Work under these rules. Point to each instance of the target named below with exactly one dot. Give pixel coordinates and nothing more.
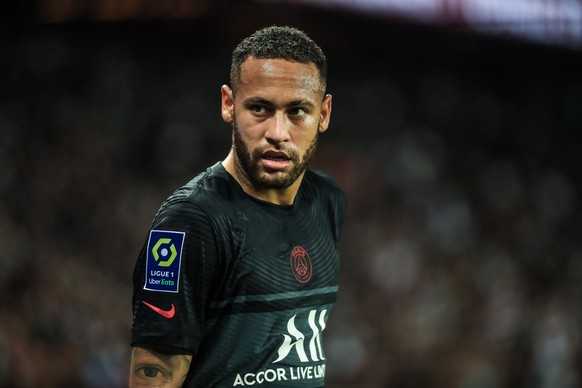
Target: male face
(264, 177)
(277, 113)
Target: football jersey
(246, 285)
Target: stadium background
(460, 153)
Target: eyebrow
(264, 101)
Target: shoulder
(319, 177)
(206, 196)
(324, 185)
(322, 189)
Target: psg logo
(301, 264)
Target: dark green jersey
(246, 285)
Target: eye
(148, 375)
(151, 372)
(258, 109)
(297, 111)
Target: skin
(277, 113)
(159, 367)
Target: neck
(284, 196)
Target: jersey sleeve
(173, 278)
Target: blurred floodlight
(557, 22)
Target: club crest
(301, 264)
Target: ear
(227, 104)
(325, 113)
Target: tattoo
(159, 366)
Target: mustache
(291, 153)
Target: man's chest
(284, 254)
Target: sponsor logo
(280, 374)
(301, 264)
(164, 313)
(305, 346)
(295, 340)
(163, 260)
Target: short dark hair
(278, 42)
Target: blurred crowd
(461, 252)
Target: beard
(261, 178)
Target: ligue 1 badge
(163, 260)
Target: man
(236, 280)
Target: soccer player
(239, 272)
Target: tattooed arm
(158, 366)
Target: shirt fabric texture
(255, 285)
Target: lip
(274, 154)
(275, 160)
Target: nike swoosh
(164, 313)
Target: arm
(181, 327)
(159, 367)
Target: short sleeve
(173, 278)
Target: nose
(278, 129)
